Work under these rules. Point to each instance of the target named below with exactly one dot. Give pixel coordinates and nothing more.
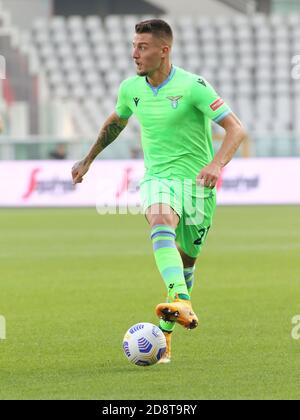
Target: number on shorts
(203, 234)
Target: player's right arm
(109, 132)
(111, 129)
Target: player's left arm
(206, 99)
(235, 135)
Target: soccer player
(175, 109)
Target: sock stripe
(189, 284)
(163, 244)
(190, 269)
(163, 238)
(163, 233)
(171, 271)
(189, 278)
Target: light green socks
(189, 279)
(169, 261)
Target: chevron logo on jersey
(136, 101)
(174, 100)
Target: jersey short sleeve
(206, 99)
(122, 108)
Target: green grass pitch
(72, 282)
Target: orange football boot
(180, 311)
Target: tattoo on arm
(108, 134)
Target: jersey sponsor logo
(217, 104)
(136, 101)
(174, 100)
(202, 82)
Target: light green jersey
(175, 120)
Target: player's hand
(209, 175)
(79, 170)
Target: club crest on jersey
(174, 100)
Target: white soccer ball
(144, 344)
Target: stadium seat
(248, 59)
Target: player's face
(147, 53)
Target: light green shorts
(194, 205)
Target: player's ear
(165, 50)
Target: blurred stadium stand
(68, 70)
(18, 87)
(196, 8)
(244, 6)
